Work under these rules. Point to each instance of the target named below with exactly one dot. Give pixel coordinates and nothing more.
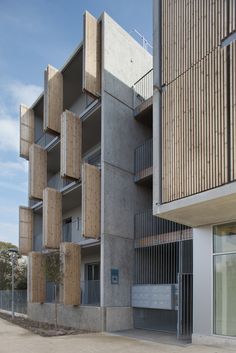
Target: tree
(54, 274)
(6, 268)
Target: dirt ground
(42, 329)
(15, 339)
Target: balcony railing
(71, 231)
(143, 161)
(150, 230)
(143, 88)
(45, 139)
(57, 182)
(90, 292)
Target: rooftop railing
(143, 88)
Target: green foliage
(6, 268)
(53, 267)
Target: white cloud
(14, 93)
(9, 232)
(9, 134)
(23, 93)
(11, 168)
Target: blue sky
(34, 33)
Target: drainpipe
(157, 123)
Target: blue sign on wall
(114, 276)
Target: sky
(33, 34)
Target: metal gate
(185, 306)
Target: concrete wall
(124, 62)
(83, 317)
(89, 318)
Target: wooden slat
(37, 171)
(195, 129)
(71, 263)
(53, 99)
(92, 55)
(191, 30)
(25, 230)
(91, 201)
(71, 145)
(52, 218)
(36, 278)
(26, 130)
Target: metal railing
(143, 89)
(71, 232)
(57, 182)
(94, 158)
(143, 160)
(20, 301)
(90, 292)
(150, 230)
(45, 139)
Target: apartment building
(194, 110)
(88, 139)
(79, 138)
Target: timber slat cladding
(233, 109)
(52, 218)
(91, 201)
(36, 278)
(71, 262)
(232, 16)
(194, 111)
(190, 30)
(37, 171)
(71, 145)
(92, 55)
(199, 96)
(26, 130)
(53, 99)
(25, 230)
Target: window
(224, 262)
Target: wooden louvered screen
(36, 278)
(53, 99)
(91, 201)
(25, 230)
(52, 218)
(92, 55)
(71, 262)
(71, 145)
(37, 171)
(198, 117)
(26, 130)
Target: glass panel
(225, 237)
(225, 294)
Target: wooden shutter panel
(71, 145)
(26, 130)
(91, 201)
(37, 171)
(25, 230)
(71, 262)
(52, 218)
(36, 278)
(53, 99)
(92, 55)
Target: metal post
(13, 285)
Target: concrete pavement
(14, 339)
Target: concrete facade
(109, 135)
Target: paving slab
(14, 339)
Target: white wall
(202, 280)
